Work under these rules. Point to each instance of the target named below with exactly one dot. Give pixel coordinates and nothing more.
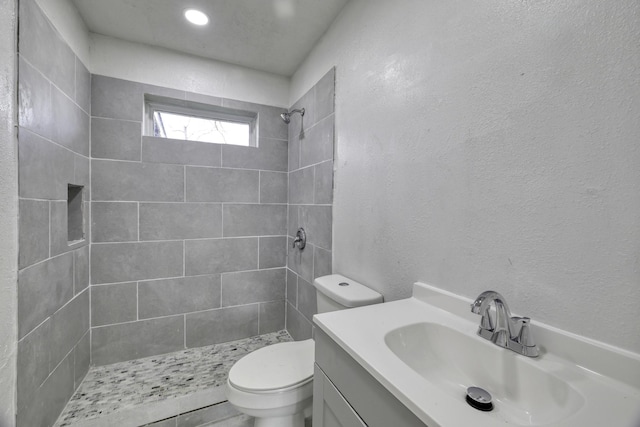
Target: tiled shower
(134, 247)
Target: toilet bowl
(275, 384)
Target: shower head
(287, 116)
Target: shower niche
(75, 216)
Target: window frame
(199, 110)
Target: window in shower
(190, 121)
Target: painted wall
(162, 67)
(68, 22)
(8, 213)
(491, 145)
(189, 238)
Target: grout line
(156, 202)
(182, 314)
(258, 318)
(95, 285)
(138, 220)
(184, 184)
(137, 300)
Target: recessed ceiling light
(196, 17)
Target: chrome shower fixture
(287, 116)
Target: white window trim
(196, 109)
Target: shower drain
(479, 398)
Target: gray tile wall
(188, 238)
(311, 148)
(53, 296)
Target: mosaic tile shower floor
(112, 388)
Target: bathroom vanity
(346, 395)
(409, 363)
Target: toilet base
(295, 420)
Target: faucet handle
(525, 337)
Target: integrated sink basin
(426, 352)
(453, 361)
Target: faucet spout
(503, 330)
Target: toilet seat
(275, 368)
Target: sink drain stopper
(479, 398)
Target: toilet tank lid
(353, 294)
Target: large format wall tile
(68, 326)
(254, 220)
(163, 150)
(301, 261)
(169, 221)
(222, 185)
(71, 125)
(297, 325)
(114, 303)
(272, 315)
(116, 99)
(114, 221)
(222, 325)
(45, 49)
(167, 297)
(45, 169)
(48, 401)
(81, 269)
(124, 262)
(115, 139)
(307, 302)
(34, 355)
(82, 358)
(311, 150)
(273, 251)
(220, 255)
(271, 154)
(130, 181)
(42, 290)
(53, 144)
(247, 287)
(317, 146)
(34, 100)
(83, 87)
(323, 184)
(161, 203)
(316, 220)
(301, 186)
(273, 187)
(324, 93)
(33, 232)
(134, 340)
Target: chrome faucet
(505, 331)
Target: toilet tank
(336, 292)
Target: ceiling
(267, 35)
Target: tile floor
(109, 389)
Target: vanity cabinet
(346, 395)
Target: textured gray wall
(189, 238)
(491, 145)
(53, 295)
(311, 142)
(8, 213)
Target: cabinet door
(330, 409)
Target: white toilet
(274, 384)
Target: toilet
(275, 384)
